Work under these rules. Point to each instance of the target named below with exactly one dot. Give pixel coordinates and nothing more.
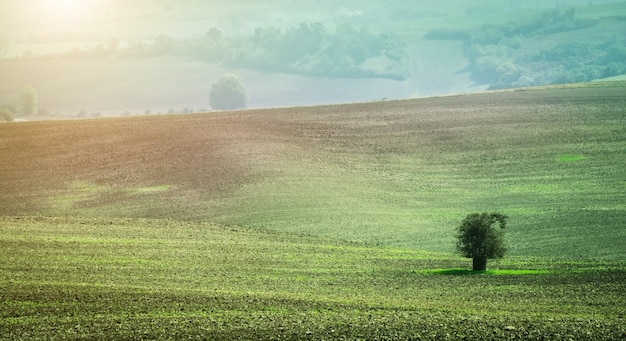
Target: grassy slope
(79, 278)
(397, 173)
(392, 173)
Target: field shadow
(458, 272)
(497, 272)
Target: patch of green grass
(96, 198)
(77, 192)
(571, 157)
(149, 189)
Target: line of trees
(227, 93)
(498, 56)
(311, 49)
(308, 49)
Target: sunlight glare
(65, 7)
(64, 11)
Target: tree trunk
(479, 264)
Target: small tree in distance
(6, 115)
(228, 93)
(29, 100)
(479, 240)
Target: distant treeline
(308, 49)
(499, 54)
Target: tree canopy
(228, 93)
(479, 240)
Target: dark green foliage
(228, 93)
(479, 240)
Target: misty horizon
(121, 58)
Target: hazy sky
(56, 15)
(44, 34)
(77, 15)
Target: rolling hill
(327, 222)
(392, 173)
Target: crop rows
(66, 278)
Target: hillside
(395, 173)
(318, 222)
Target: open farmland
(79, 278)
(399, 173)
(319, 222)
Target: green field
(328, 222)
(78, 278)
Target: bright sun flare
(65, 7)
(63, 10)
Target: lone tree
(480, 240)
(29, 100)
(228, 93)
